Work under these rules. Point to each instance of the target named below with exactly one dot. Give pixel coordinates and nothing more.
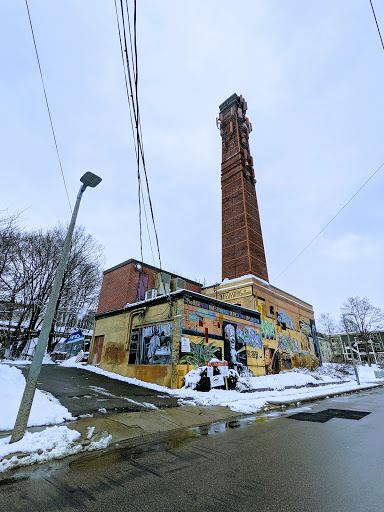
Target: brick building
(129, 282)
(150, 323)
(242, 240)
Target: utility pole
(350, 348)
(88, 180)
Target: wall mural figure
(155, 344)
(235, 349)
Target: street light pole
(88, 180)
(350, 348)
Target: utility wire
(141, 143)
(47, 104)
(328, 223)
(146, 221)
(132, 95)
(377, 25)
(132, 127)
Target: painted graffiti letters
(236, 294)
(268, 330)
(283, 318)
(214, 308)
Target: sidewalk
(101, 432)
(126, 425)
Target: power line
(328, 223)
(377, 25)
(132, 96)
(141, 143)
(47, 104)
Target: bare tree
(28, 263)
(362, 318)
(326, 324)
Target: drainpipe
(137, 312)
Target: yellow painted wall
(263, 297)
(116, 328)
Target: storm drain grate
(328, 414)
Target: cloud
(352, 248)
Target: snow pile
(51, 443)
(71, 361)
(291, 378)
(193, 378)
(46, 409)
(367, 374)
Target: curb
(275, 404)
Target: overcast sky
(312, 73)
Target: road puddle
(168, 441)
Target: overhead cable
(47, 104)
(377, 25)
(328, 223)
(131, 82)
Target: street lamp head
(90, 180)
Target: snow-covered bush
(198, 379)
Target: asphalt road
(263, 463)
(84, 392)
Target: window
(133, 347)
(142, 286)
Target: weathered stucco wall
(145, 342)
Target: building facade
(373, 349)
(156, 326)
(255, 327)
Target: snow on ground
(21, 362)
(52, 443)
(46, 409)
(60, 441)
(255, 398)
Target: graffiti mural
(305, 328)
(306, 335)
(283, 318)
(250, 336)
(287, 343)
(268, 330)
(154, 345)
(200, 354)
(315, 341)
(235, 349)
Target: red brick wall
(242, 241)
(119, 287)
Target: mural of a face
(230, 335)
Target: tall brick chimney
(242, 240)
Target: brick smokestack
(242, 240)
